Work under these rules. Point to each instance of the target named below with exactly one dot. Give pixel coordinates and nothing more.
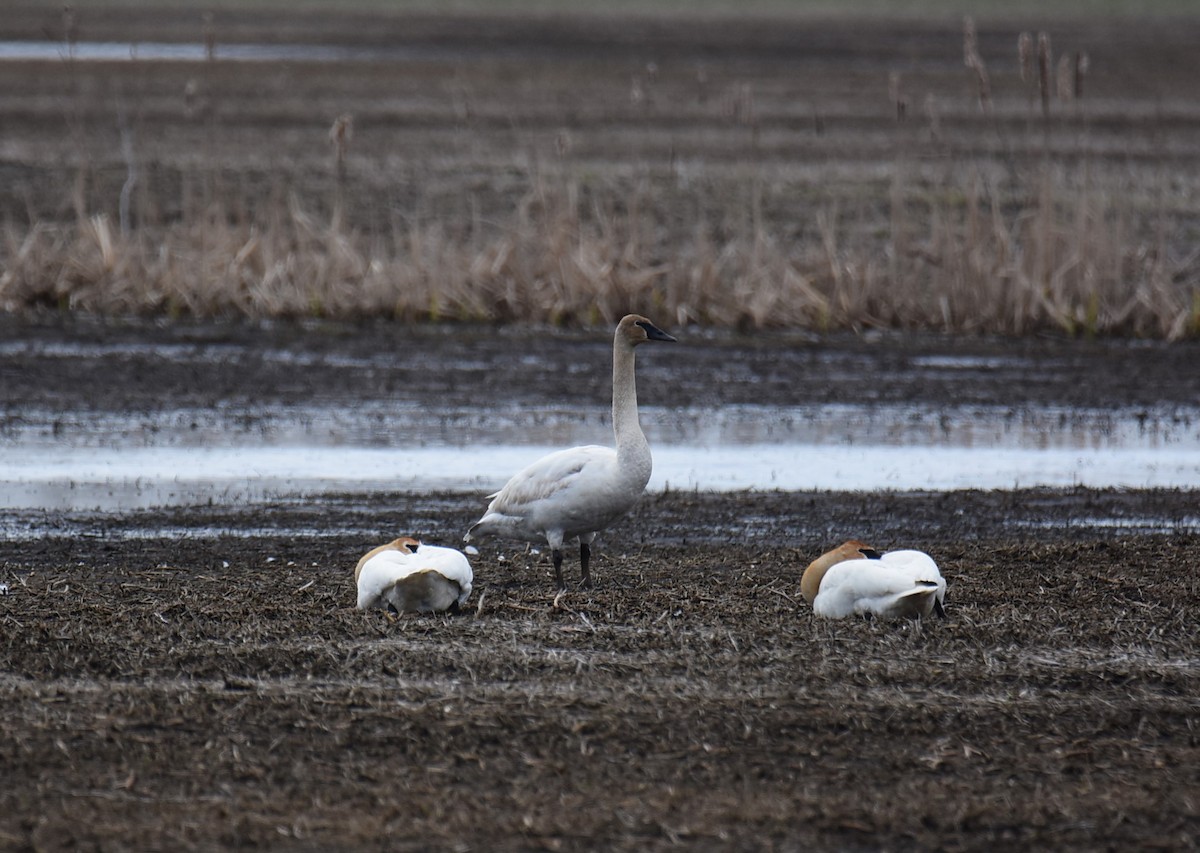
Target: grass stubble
(692, 697)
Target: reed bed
(989, 213)
(1056, 260)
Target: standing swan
(855, 578)
(580, 491)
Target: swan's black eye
(412, 546)
(870, 553)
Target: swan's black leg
(557, 552)
(939, 609)
(585, 555)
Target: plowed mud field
(198, 677)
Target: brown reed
(1025, 57)
(339, 137)
(1064, 78)
(949, 246)
(1043, 59)
(970, 269)
(1082, 65)
(974, 61)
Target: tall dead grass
(1040, 248)
(968, 260)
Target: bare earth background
(189, 678)
(198, 677)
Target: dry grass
(990, 215)
(1059, 259)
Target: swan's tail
(916, 603)
(424, 591)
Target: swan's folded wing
(862, 586)
(450, 563)
(551, 475)
(920, 566)
(377, 574)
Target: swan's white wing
(920, 567)
(865, 586)
(917, 562)
(450, 563)
(566, 493)
(379, 573)
(553, 474)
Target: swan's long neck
(810, 581)
(632, 449)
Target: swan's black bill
(654, 333)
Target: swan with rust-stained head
(580, 491)
(855, 578)
(406, 575)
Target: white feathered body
(431, 579)
(901, 584)
(569, 493)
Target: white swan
(855, 578)
(405, 575)
(577, 492)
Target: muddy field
(199, 677)
(218, 691)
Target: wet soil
(61, 362)
(199, 677)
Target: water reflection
(113, 461)
(390, 424)
(91, 51)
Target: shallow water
(86, 51)
(83, 460)
(129, 448)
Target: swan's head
(851, 549)
(635, 329)
(407, 544)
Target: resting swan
(405, 575)
(577, 492)
(855, 578)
